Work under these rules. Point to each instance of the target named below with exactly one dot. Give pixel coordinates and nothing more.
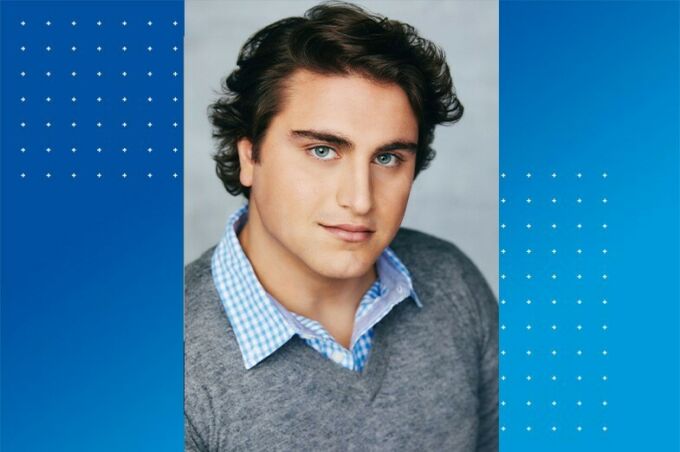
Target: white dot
(149, 48)
(74, 23)
(149, 23)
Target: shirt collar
(258, 324)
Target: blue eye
(387, 159)
(323, 152)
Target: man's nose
(355, 190)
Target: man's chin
(349, 269)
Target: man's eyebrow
(399, 146)
(341, 141)
(328, 137)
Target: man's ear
(245, 158)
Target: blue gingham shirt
(262, 325)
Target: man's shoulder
(442, 272)
(204, 315)
(199, 269)
(419, 250)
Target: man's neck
(330, 301)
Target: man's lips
(350, 232)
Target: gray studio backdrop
(455, 199)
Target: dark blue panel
(92, 226)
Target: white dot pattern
(554, 308)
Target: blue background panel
(92, 273)
(589, 118)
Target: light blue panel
(589, 316)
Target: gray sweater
(431, 381)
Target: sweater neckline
(364, 384)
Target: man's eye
(388, 159)
(323, 152)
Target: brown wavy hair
(331, 38)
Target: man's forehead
(348, 104)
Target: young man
(317, 323)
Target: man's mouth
(350, 232)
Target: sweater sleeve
(487, 438)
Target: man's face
(335, 170)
